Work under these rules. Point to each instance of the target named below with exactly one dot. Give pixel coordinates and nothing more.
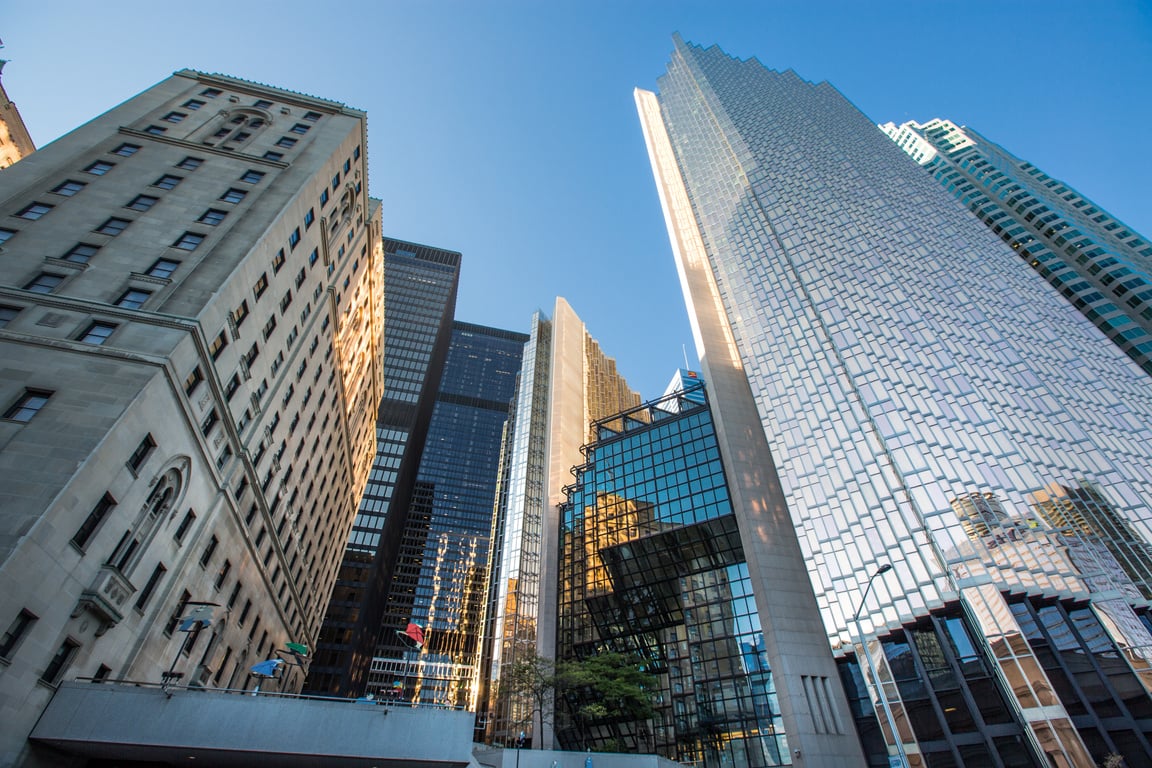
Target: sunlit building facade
(441, 574)
(918, 387)
(419, 301)
(190, 343)
(565, 383)
(15, 141)
(652, 566)
(1096, 261)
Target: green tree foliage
(612, 686)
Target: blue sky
(507, 131)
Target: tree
(608, 687)
(529, 688)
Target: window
(60, 661)
(194, 379)
(313, 256)
(309, 218)
(224, 457)
(17, 630)
(262, 104)
(150, 587)
(233, 195)
(81, 253)
(278, 262)
(300, 128)
(189, 241)
(142, 202)
(124, 150)
(356, 153)
(324, 198)
(174, 117)
(252, 177)
(7, 314)
(285, 301)
(28, 405)
(167, 181)
(193, 104)
(286, 142)
(240, 314)
(209, 550)
(97, 333)
(34, 211)
(211, 420)
(99, 168)
(294, 238)
(190, 163)
(312, 116)
(185, 525)
(241, 136)
(133, 298)
(269, 327)
(212, 217)
(6, 235)
(244, 613)
(232, 387)
(155, 130)
(45, 282)
(113, 226)
(140, 455)
(347, 167)
(222, 574)
(69, 188)
(217, 345)
(163, 268)
(211, 93)
(273, 155)
(251, 355)
(177, 614)
(93, 521)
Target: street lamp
(872, 668)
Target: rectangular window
(45, 282)
(309, 218)
(262, 104)
(222, 574)
(34, 211)
(217, 346)
(313, 256)
(28, 405)
(189, 241)
(7, 314)
(69, 188)
(6, 235)
(260, 286)
(17, 631)
(177, 614)
(185, 526)
(211, 93)
(252, 177)
(193, 104)
(269, 327)
(312, 116)
(300, 128)
(97, 333)
(150, 587)
(140, 455)
(211, 420)
(142, 202)
(233, 195)
(232, 387)
(270, 155)
(60, 661)
(323, 198)
(193, 381)
(92, 523)
(240, 314)
(81, 253)
(167, 181)
(125, 150)
(347, 167)
(224, 457)
(113, 226)
(99, 168)
(300, 277)
(163, 268)
(174, 117)
(155, 130)
(252, 353)
(294, 238)
(286, 142)
(285, 301)
(278, 262)
(190, 163)
(133, 298)
(209, 550)
(244, 613)
(212, 217)
(356, 153)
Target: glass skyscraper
(903, 388)
(420, 285)
(652, 565)
(1093, 259)
(440, 576)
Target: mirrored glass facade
(929, 401)
(651, 565)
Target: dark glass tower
(652, 564)
(419, 300)
(440, 575)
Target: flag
(267, 668)
(297, 648)
(199, 618)
(413, 636)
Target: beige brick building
(15, 141)
(190, 363)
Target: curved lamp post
(875, 674)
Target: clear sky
(506, 129)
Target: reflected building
(419, 301)
(440, 577)
(652, 565)
(1093, 259)
(565, 383)
(840, 301)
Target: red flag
(413, 636)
